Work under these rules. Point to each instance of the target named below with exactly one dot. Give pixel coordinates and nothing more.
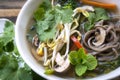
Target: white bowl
(20, 35)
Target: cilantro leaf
(20, 74)
(69, 3)
(91, 21)
(91, 17)
(9, 63)
(101, 14)
(10, 69)
(88, 26)
(80, 69)
(48, 34)
(9, 47)
(10, 60)
(65, 14)
(9, 29)
(46, 4)
(39, 13)
(97, 15)
(8, 34)
(46, 26)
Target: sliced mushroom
(84, 10)
(62, 65)
(35, 41)
(87, 8)
(59, 59)
(99, 36)
(100, 23)
(60, 44)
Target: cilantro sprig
(47, 20)
(97, 15)
(12, 67)
(10, 58)
(82, 61)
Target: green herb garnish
(97, 15)
(82, 61)
(47, 22)
(49, 71)
(68, 3)
(12, 67)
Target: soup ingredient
(63, 65)
(9, 66)
(100, 4)
(82, 61)
(46, 27)
(49, 71)
(51, 19)
(40, 51)
(39, 13)
(104, 40)
(84, 10)
(12, 67)
(76, 41)
(97, 15)
(68, 3)
(35, 41)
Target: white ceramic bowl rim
(20, 37)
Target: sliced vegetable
(76, 42)
(99, 4)
(49, 71)
(73, 47)
(62, 65)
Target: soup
(75, 39)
